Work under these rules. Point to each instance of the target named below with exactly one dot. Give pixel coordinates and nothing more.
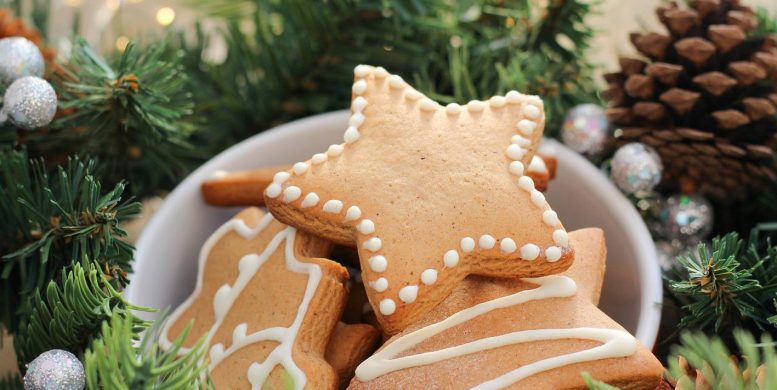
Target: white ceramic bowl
(166, 256)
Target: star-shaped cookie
(428, 194)
(541, 333)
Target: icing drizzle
(616, 343)
(226, 296)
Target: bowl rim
(651, 286)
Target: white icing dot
(239, 333)
(526, 183)
(429, 277)
(381, 72)
(380, 284)
(453, 109)
(373, 244)
(333, 206)
(413, 94)
(538, 165)
(535, 100)
(476, 106)
(526, 126)
(486, 241)
(273, 190)
(318, 158)
(300, 168)
(387, 307)
(310, 200)
(291, 194)
(358, 104)
(538, 198)
(353, 213)
(560, 237)
(362, 70)
(530, 252)
(351, 135)
(334, 150)
(515, 152)
(520, 141)
(428, 105)
(531, 111)
(497, 101)
(356, 119)
(378, 263)
(281, 177)
(513, 97)
(508, 245)
(408, 294)
(396, 82)
(467, 244)
(359, 87)
(366, 226)
(516, 168)
(451, 258)
(550, 217)
(220, 300)
(552, 254)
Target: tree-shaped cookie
(537, 333)
(267, 304)
(428, 194)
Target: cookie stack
(461, 274)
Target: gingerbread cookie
(428, 194)
(537, 333)
(267, 304)
(350, 345)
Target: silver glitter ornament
(55, 370)
(636, 167)
(585, 129)
(29, 103)
(687, 218)
(19, 57)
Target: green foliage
(69, 312)
(733, 287)
(114, 361)
(594, 384)
(756, 369)
(11, 382)
(50, 222)
(296, 60)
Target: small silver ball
(636, 167)
(585, 129)
(55, 370)
(19, 57)
(687, 218)
(29, 103)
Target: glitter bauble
(29, 103)
(636, 167)
(19, 57)
(687, 218)
(55, 369)
(585, 129)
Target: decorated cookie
(266, 304)
(350, 345)
(241, 188)
(534, 333)
(428, 194)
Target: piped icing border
(226, 295)
(515, 151)
(616, 342)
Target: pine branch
(594, 384)
(114, 361)
(707, 363)
(11, 382)
(68, 313)
(734, 287)
(48, 223)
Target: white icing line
(333, 206)
(408, 294)
(429, 277)
(617, 343)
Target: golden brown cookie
(350, 345)
(243, 188)
(536, 333)
(267, 304)
(428, 194)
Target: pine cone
(704, 95)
